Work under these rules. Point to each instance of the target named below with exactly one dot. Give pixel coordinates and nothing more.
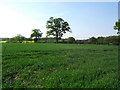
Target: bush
(71, 39)
(116, 43)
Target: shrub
(71, 39)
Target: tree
(71, 39)
(18, 38)
(100, 40)
(36, 34)
(117, 26)
(57, 27)
(93, 40)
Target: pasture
(50, 65)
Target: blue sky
(86, 19)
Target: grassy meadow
(50, 65)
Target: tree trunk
(36, 39)
(56, 37)
(56, 40)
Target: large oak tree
(57, 27)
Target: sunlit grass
(36, 65)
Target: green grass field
(47, 65)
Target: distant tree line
(57, 27)
(110, 40)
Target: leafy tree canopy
(18, 38)
(36, 34)
(57, 27)
(71, 39)
(117, 26)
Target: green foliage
(117, 26)
(110, 40)
(59, 66)
(71, 39)
(57, 27)
(100, 40)
(92, 40)
(36, 34)
(18, 38)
